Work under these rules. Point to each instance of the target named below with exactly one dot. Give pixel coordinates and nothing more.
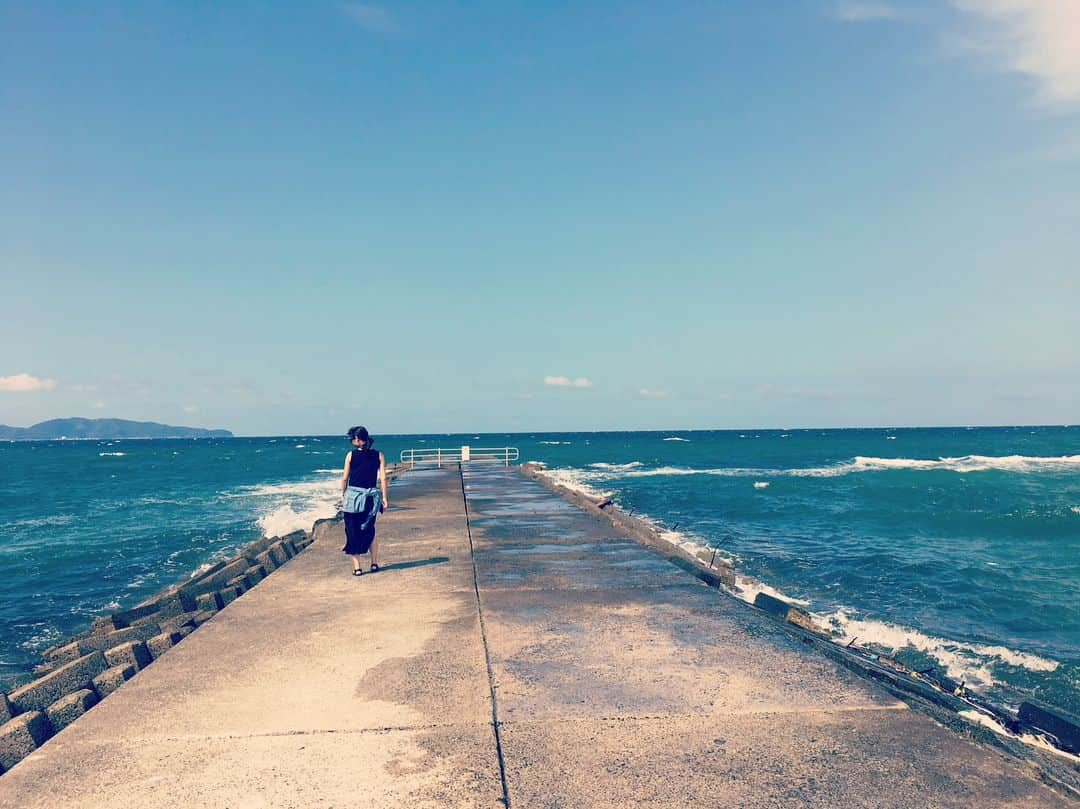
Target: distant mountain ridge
(104, 428)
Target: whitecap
(967, 662)
(748, 589)
(674, 438)
(285, 519)
(38, 522)
(575, 480)
(1074, 509)
(111, 454)
(616, 467)
(761, 484)
(963, 464)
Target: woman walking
(363, 489)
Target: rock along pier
(514, 650)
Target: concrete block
(252, 550)
(277, 555)
(323, 527)
(209, 602)
(176, 603)
(802, 619)
(1063, 726)
(130, 634)
(125, 618)
(201, 617)
(210, 571)
(228, 595)
(295, 536)
(6, 711)
(103, 624)
(133, 653)
(209, 583)
(44, 668)
(184, 631)
(21, 736)
(255, 574)
(266, 561)
(178, 623)
(111, 679)
(43, 692)
(773, 606)
(62, 654)
(99, 642)
(68, 640)
(67, 709)
(240, 583)
(160, 644)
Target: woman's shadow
(433, 560)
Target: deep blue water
(971, 563)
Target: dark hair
(363, 435)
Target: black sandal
(374, 568)
(358, 572)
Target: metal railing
(439, 457)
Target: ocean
(952, 548)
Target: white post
(439, 457)
(464, 454)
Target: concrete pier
(523, 652)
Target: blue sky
(289, 218)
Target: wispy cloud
(1064, 151)
(370, 17)
(652, 393)
(567, 382)
(25, 383)
(866, 11)
(1035, 38)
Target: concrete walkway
(618, 680)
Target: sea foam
(293, 505)
(967, 662)
(860, 463)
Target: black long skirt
(357, 538)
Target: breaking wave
(971, 663)
(964, 464)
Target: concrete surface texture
(544, 660)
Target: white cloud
(650, 393)
(22, 383)
(865, 11)
(567, 382)
(1035, 38)
(370, 17)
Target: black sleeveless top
(364, 468)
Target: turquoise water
(954, 548)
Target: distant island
(104, 428)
